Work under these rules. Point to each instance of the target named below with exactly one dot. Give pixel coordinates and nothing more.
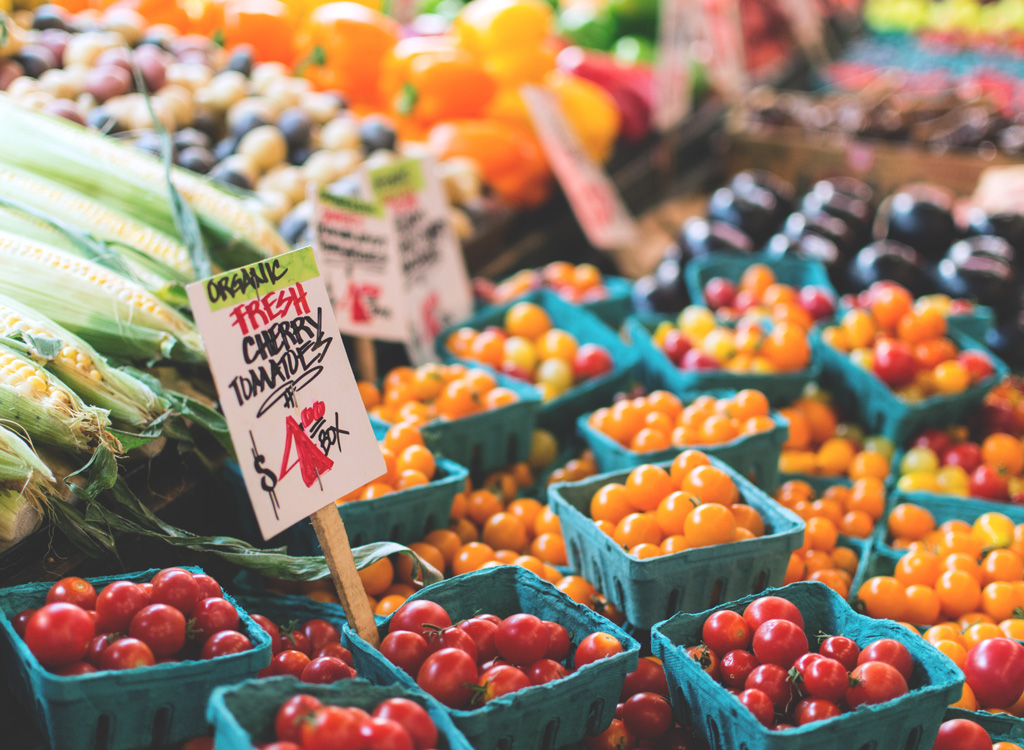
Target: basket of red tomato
(797, 668)
(127, 661)
(518, 664)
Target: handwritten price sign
(673, 89)
(301, 433)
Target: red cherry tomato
(337, 651)
(779, 642)
(72, 590)
(384, 734)
(768, 608)
(161, 627)
(271, 629)
(894, 362)
(987, 482)
(127, 653)
(844, 650)
(208, 587)
(522, 639)
(826, 679)
(295, 640)
(596, 646)
(59, 634)
(773, 681)
(558, 643)
(647, 715)
(227, 642)
(995, 672)
(453, 638)
(801, 664)
(413, 717)
(20, 621)
(291, 716)
(117, 604)
(962, 734)
(96, 648)
(326, 669)
(649, 677)
(736, 666)
(810, 710)
(176, 587)
(406, 650)
(500, 680)
(726, 631)
(615, 737)
(759, 704)
(707, 659)
(544, 671)
(213, 615)
(332, 727)
(76, 669)
(482, 632)
(319, 633)
(891, 652)
(445, 674)
(874, 682)
(415, 614)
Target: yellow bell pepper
(526, 65)
(488, 27)
(590, 109)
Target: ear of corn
(19, 517)
(117, 316)
(49, 411)
(20, 468)
(131, 182)
(129, 401)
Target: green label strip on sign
(393, 180)
(252, 281)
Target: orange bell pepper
(264, 24)
(156, 11)
(510, 158)
(343, 46)
(205, 17)
(527, 65)
(590, 109)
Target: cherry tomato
(446, 673)
(726, 631)
(76, 669)
(891, 652)
(271, 629)
(995, 672)
(228, 642)
(331, 727)
(500, 680)
(20, 621)
(810, 710)
(647, 715)
(596, 646)
(558, 643)
(96, 648)
(287, 662)
(453, 638)
(176, 587)
(966, 455)
(324, 670)
(874, 682)
(385, 734)
(127, 653)
(962, 734)
(759, 704)
(767, 608)
(707, 659)
(805, 661)
(208, 587)
(590, 361)
(117, 604)
(779, 642)
(844, 650)
(414, 615)
(894, 362)
(213, 614)
(336, 650)
(413, 717)
(648, 677)
(292, 714)
(615, 737)
(544, 671)
(72, 590)
(987, 482)
(522, 639)
(295, 640)
(773, 681)
(406, 650)
(319, 633)
(59, 634)
(161, 627)
(271, 746)
(736, 666)
(482, 632)
(826, 679)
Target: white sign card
(673, 88)
(592, 196)
(286, 387)
(724, 32)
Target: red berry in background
(72, 590)
(615, 737)
(337, 651)
(226, 642)
(894, 363)
(545, 671)
(161, 627)
(127, 653)
(596, 646)
(213, 615)
(406, 650)
(500, 680)
(648, 677)
(767, 608)
(415, 615)
(891, 652)
(445, 675)
(591, 361)
(208, 587)
(522, 639)
(482, 632)
(117, 604)
(719, 292)
(977, 363)
(647, 715)
(726, 631)
(292, 714)
(20, 621)
(773, 681)
(675, 346)
(413, 717)
(385, 735)
(844, 650)
(962, 734)
(285, 663)
(695, 359)
(759, 704)
(779, 642)
(59, 634)
(936, 440)
(271, 629)
(735, 667)
(987, 482)
(326, 669)
(817, 302)
(994, 670)
(810, 710)
(319, 633)
(965, 455)
(874, 682)
(558, 641)
(176, 587)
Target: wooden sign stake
(366, 360)
(330, 530)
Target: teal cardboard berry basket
(648, 591)
(541, 717)
(587, 329)
(781, 388)
(793, 271)
(910, 722)
(754, 456)
(243, 715)
(119, 710)
(881, 410)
